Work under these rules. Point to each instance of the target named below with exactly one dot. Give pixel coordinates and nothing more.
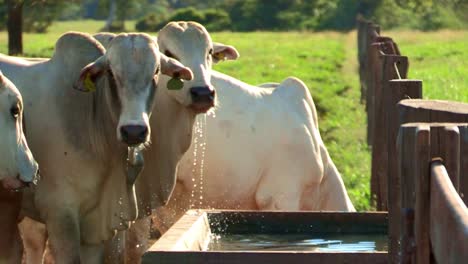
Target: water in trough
(299, 242)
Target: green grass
(326, 62)
(440, 59)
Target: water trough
(214, 236)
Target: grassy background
(326, 62)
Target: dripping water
(198, 164)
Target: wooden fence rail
(426, 207)
(429, 166)
(380, 65)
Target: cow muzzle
(134, 134)
(203, 98)
(16, 183)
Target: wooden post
(418, 110)
(367, 32)
(464, 163)
(430, 111)
(375, 73)
(380, 127)
(422, 190)
(418, 143)
(396, 91)
(450, 152)
(407, 236)
(407, 139)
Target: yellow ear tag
(89, 84)
(175, 84)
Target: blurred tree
(15, 26)
(119, 11)
(29, 15)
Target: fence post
(406, 142)
(464, 163)
(422, 194)
(450, 151)
(380, 127)
(396, 91)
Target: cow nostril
(143, 133)
(124, 133)
(202, 94)
(194, 93)
(134, 134)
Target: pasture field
(327, 63)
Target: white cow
(17, 165)
(263, 146)
(17, 168)
(172, 121)
(81, 139)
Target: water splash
(202, 161)
(198, 164)
(194, 164)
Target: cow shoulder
(291, 87)
(294, 91)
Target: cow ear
(90, 74)
(175, 69)
(223, 52)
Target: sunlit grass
(440, 59)
(326, 62)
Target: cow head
(191, 44)
(17, 165)
(132, 63)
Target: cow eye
(157, 71)
(15, 111)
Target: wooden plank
(375, 77)
(406, 152)
(422, 191)
(463, 162)
(261, 257)
(380, 127)
(449, 227)
(421, 110)
(407, 238)
(450, 153)
(191, 232)
(373, 83)
(396, 91)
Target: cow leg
(92, 254)
(64, 235)
(34, 240)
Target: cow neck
(90, 119)
(173, 124)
